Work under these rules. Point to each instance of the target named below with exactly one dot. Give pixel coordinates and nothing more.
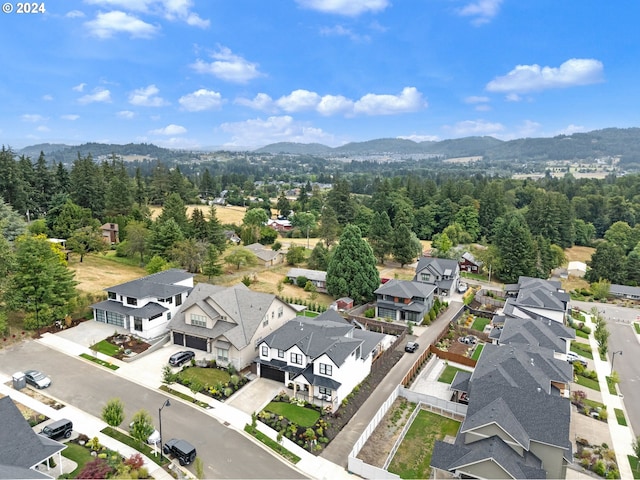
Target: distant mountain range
(610, 142)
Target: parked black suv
(180, 449)
(411, 347)
(179, 358)
(58, 429)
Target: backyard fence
(452, 357)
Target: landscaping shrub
(301, 281)
(98, 468)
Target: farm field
(230, 214)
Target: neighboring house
(539, 332)
(577, 269)
(468, 263)
(266, 256)
(534, 297)
(317, 277)
(280, 225)
(518, 417)
(228, 322)
(624, 291)
(110, 233)
(322, 359)
(232, 237)
(403, 300)
(146, 305)
(441, 272)
(22, 448)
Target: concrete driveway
(256, 395)
(89, 333)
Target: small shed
(110, 233)
(344, 303)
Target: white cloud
(169, 9)
(32, 118)
(259, 132)
(410, 100)
(476, 99)
(47, 98)
(126, 114)
(527, 78)
(71, 117)
(420, 138)
(169, 130)
(74, 14)
(261, 101)
(482, 11)
(99, 95)
(528, 128)
(340, 31)
(201, 100)
(298, 100)
(349, 8)
(475, 127)
(335, 104)
(43, 128)
(228, 66)
(105, 25)
(147, 97)
(79, 87)
(513, 97)
(571, 129)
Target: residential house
(468, 263)
(441, 272)
(577, 269)
(146, 305)
(535, 297)
(232, 237)
(624, 291)
(228, 322)
(280, 225)
(266, 256)
(110, 233)
(518, 417)
(404, 300)
(343, 303)
(322, 359)
(316, 277)
(23, 450)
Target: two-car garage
(191, 341)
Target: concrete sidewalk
(621, 436)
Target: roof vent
(539, 389)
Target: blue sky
(245, 73)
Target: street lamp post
(165, 404)
(613, 357)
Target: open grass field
(414, 454)
(230, 214)
(99, 271)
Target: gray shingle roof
(22, 448)
(537, 330)
(316, 275)
(439, 265)
(460, 381)
(624, 290)
(148, 311)
(405, 289)
(264, 254)
(244, 310)
(536, 292)
(159, 285)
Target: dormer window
(112, 296)
(132, 301)
(198, 320)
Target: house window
(132, 301)
(264, 351)
(280, 311)
(325, 391)
(178, 300)
(137, 324)
(265, 321)
(198, 320)
(111, 295)
(296, 358)
(168, 315)
(326, 369)
(280, 353)
(358, 350)
(222, 354)
(272, 314)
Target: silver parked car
(37, 379)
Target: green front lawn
(635, 468)
(301, 416)
(105, 347)
(449, 372)
(78, 454)
(204, 376)
(583, 349)
(479, 323)
(477, 351)
(135, 444)
(414, 454)
(587, 382)
(581, 334)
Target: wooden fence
(452, 357)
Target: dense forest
(519, 227)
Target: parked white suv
(573, 357)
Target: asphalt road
(620, 325)
(224, 452)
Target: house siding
(486, 469)
(552, 458)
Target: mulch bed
(129, 343)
